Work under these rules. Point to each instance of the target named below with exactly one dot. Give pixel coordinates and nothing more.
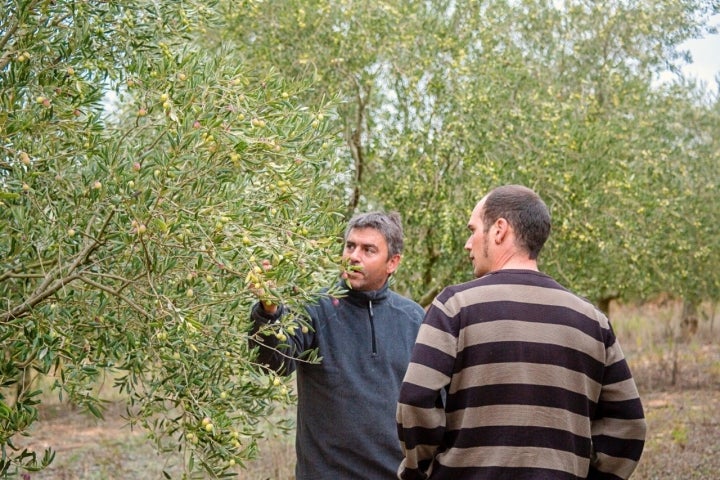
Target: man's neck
(517, 261)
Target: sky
(706, 58)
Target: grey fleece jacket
(346, 404)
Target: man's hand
(261, 289)
(269, 307)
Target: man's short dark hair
(524, 210)
(388, 224)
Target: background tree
(444, 101)
(135, 225)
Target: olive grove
(444, 100)
(161, 163)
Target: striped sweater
(534, 386)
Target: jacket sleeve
(618, 426)
(274, 353)
(420, 410)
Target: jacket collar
(363, 298)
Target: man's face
(367, 249)
(478, 244)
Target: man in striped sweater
(512, 375)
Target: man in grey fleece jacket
(346, 403)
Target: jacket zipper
(372, 328)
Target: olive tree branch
(115, 293)
(60, 275)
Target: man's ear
(501, 229)
(393, 263)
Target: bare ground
(684, 436)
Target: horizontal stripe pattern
(495, 473)
(521, 394)
(519, 416)
(547, 375)
(544, 332)
(536, 385)
(509, 456)
(629, 429)
(528, 436)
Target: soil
(683, 433)
(87, 448)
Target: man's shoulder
(452, 290)
(502, 278)
(458, 294)
(404, 302)
(398, 297)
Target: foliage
(443, 101)
(136, 225)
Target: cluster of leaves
(151, 186)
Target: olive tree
(443, 101)
(153, 183)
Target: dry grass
(678, 376)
